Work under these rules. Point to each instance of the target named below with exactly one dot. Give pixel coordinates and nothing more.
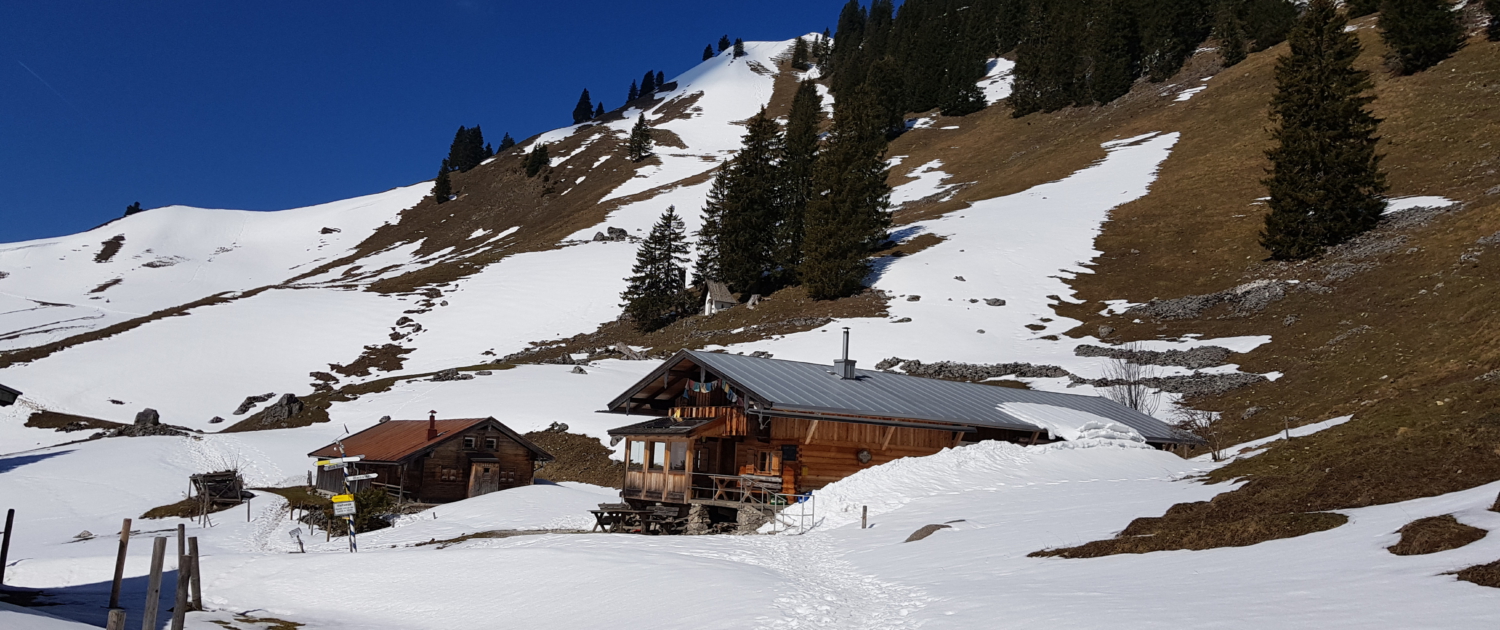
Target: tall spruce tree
(1268, 21)
(724, 43)
(467, 150)
(537, 159)
(706, 266)
(750, 210)
(1230, 31)
(489, 151)
(1419, 33)
(739, 47)
(708, 52)
(648, 83)
(1113, 47)
(639, 145)
(1360, 8)
(1170, 31)
(657, 292)
(442, 189)
(584, 110)
(1493, 30)
(507, 142)
(849, 216)
(799, 54)
(634, 93)
(599, 109)
(661, 80)
(134, 208)
(798, 162)
(1325, 181)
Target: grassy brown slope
(1421, 319)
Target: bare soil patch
(578, 458)
(67, 422)
(1434, 534)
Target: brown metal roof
(396, 440)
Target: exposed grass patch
(186, 508)
(300, 497)
(1434, 534)
(257, 623)
(499, 533)
(109, 248)
(105, 286)
(315, 405)
(1482, 574)
(67, 422)
(385, 358)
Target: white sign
(343, 508)
(340, 460)
(362, 477)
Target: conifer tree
(706, 267)
(648, 84)
(849, 215)
(599, 109)
(799, 55)
(657, 291)
(798, 162)
(1267, 22)
(537, 160)
(1114, 51)
(635, 93)
(134, 208)
(584, 110)
(1360, 8)
(442, 188)
(467, 150)
(724, 43)
(507, 142)
(639, 146)
(661, 79)
(708, 52)
(1230, 31)
(751, 207)
(489, 151)
(739, 47)
(1170, 31)
(1493, 30)
(1419, 33)
(1325, 181)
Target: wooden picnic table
(615, 519)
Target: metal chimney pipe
(844, 368)
(846, 344)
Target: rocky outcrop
(451, 374)
(283, 409)
(954, 371)
(250, 402)
(1193, 359)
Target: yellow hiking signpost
(343, 504)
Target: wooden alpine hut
(724, 429)
(436, 461)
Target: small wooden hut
(435, 461)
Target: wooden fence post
(10, 523)
(864, 516)
(181, 540)
(116, 619)
(196, 584)
(153, 588)
(179, 607)
(114, 588)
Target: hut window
(469, 442)
(449, 474)
(637, 455)
(658, 456)
(489, 444)
(679, 457)
(768, 462)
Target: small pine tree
(708, 52)
(1325, 182)
(661, 80)
(599, 109)
(442, 189)
(537, 160)
(584, 110)
(507, 142)
(739, 47)
(639, 146)
(648, 83)
(724, 43)
(1493, 30)
(489, 151)
(1419, 33)
(1230, 31)
(634, 93)
(134, 208)
(657, 292)
(799, 54)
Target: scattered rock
(1245, 415)
(284, 408)
(252, 401)
(116, 402)
(1289, 320)
(1492, 376)
(147, 417)
(443, 303)
(578, 369)
(558, 427)
(402, 322)
(451, 374)
(913, 298)
(147, 422)
(994, 301)
(903, 320)
(1105, 331)
(84, 535)
(599, 237)
(1195, 384)
(630, 353)
(1243, 300)
(959, 278)
(329, 230)
(617, 234)
(215, 420)
(953, 371)
(1193, 359)
(483, 373)
(761, 354)
(383, 420)
(927, 530)
(980, 331)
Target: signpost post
(343, 504)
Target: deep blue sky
(268, 105)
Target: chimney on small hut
(844, 367)
(432, 426)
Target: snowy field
(1001, 501)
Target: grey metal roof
(810, 387)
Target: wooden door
(483, 478)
